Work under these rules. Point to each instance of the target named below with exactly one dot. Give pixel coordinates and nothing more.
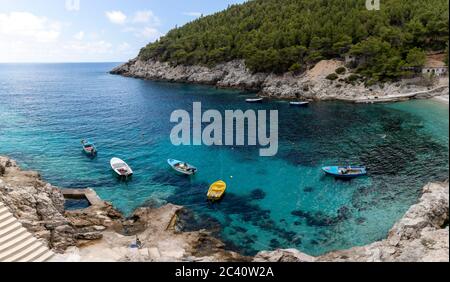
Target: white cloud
(116, 17)
(193, 14)
(147, 17)
(26, 37)
(72, 5)
(24, 25)
(79, 35)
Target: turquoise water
(284, 201)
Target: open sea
(277, 202)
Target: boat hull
(299, 104)
(89, 148)
(121, 168)
(254, 101)
(352, 171)
(216, 191)
(190, 171)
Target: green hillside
(290, 35)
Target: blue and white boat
(299, 104)
(254, 100)
(89, 148)
(345, 171)
(182, 167)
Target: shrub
(353, 77)
(341, 70)
(295, 68)
(332, 76)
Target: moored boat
(216, 190)
(121, 167)
(254, 100)
(89, 147)
(299, 104)
(345, 171)
(182, 167)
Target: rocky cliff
(100, 232)
(312, 84)
(422, 235)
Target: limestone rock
(422, 235)
(289, 255)
(311, 85)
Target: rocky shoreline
(310, 85)
(422, 235)
(101, 233)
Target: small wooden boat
(216, 190)
(345, 171)
(254, 100)
(121, 167)
(89, 147)
(299, 104)
(182, 167)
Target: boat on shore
(254, 100)
(120, 167)
(89, 147)
(182, 167)
(299, 104)
(216, 190)
(347, 172)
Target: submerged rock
(422, 235)
(100, 232)
(257, 194)
(321, 219)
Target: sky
(91, 30)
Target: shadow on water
(243, 208)
(285, 201)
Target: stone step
(42, 251)
(45, 257)
(21, 251)
(16, 248)
(18, 244)
(5, 216)
(7, 222)
(13, 227)
(14, 234)
(16, 241)
(3, 210)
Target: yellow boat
(216, 190)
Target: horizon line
(68, 62)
